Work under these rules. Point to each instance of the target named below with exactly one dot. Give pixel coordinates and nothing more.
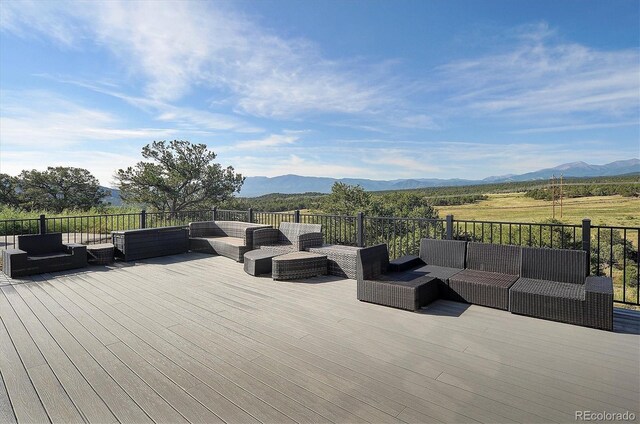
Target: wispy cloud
(540, 76)
(288, 138)
(41, 118)
(180, 47)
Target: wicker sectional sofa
(289, 237)
(538, 282)
(226, 238)
(40, 253)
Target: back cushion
(447, 253)
(562, 265)
(504, 259)
(289, 231)
(371, 262)
(204, 229)
(39, 244)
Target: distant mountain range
(289, 184)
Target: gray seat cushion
(549, 288)
(442, 273)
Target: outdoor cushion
(482, 288)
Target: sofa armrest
(265, 236)
(307, 240)
(75, 249)
(598, 285)
(13, 261)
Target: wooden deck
(192, 338)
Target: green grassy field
(602, 210)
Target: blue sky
(371, 89)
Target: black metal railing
(613, 251)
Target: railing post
(586, 241)
(42, 225)
(296, 216)
(143, 218)
(449, 220)
(214, 213)
(250, 215)
(360, 229)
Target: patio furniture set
(546, 283)
(539, 282)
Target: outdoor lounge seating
(341, 259)
(297, 265)
(405, 290)
(40, 253)
(289, 237)
(491, 270)
(231, 239)
(132, 245)
(554, 285)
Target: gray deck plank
(396, 348)
(6, 410)
(119, 402)
(186, 373)
(533, 406)
(195, 335)
(25, 402)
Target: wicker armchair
(554, 285)
(408, 290)
(226, 238)
(443, 259)
(290, 237)
(40, 253)
(491, 270)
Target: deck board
(192, 338)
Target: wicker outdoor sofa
(226, 238)
(289, 237)
(538, 282)
(554, 285)
(40, 253)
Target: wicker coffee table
(100, 254)
(258, 262)
(297, 265)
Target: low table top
(335, 248)
(260, 254)
(298, 255)
(100, 246)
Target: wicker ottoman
(100, 254)
(340, 259)
(409, 295)
(297, 265)
(258, 262)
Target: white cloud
(180, 47)
(541, 77)
(41, 118)
(269, 141)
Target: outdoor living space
(193, 338)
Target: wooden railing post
(42, 225)
(586, 241)
(360, 229)
(449, 220)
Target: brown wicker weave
(491, 270)
(408, 290)
(100, 254)
(290, 237)
(341, 259)
(296, 265)
(231, 239)
(257, 262)
(554, 286)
